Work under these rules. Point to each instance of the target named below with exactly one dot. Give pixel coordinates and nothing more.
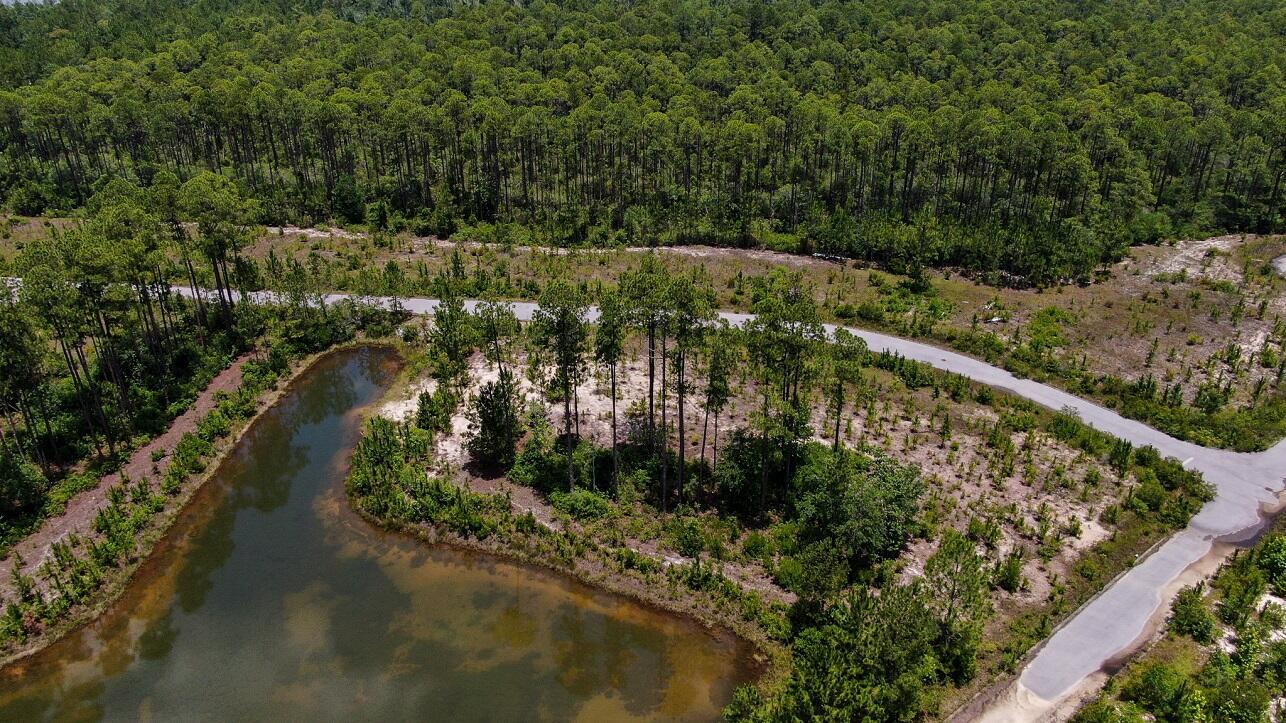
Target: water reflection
(271, 599)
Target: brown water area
(271, 600)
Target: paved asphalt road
(1110, 622)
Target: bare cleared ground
(16, 231)
(1196, 299)
(1046, 500)
(1172, 311)
(81, 510)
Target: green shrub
(1245, 701)
(434, 409)
(214, 426)
(1009, 573)
(582, 504)
(684, 534)
(1102, 711)
(1272, 560)
(22, 486)
(788, 573)
(1157, 690)
(984, 530)
(757, 546)
(1189, 615)
(631, 560)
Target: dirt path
(1204, 257)
(82, 508)
(424, 244)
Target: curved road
(1110, 622)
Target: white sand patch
(594, 400)
(593, 403)
(1227, 642)
(314, 233)
(1091, 533)
(1264, 602)
(400, 409)
(1279, 263)
(1255, 343)
(1206, 258)
(1016, 704)
(692, 251)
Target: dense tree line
(98, 350)
(1036, 138)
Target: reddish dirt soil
(82, 508)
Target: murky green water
(271, 600)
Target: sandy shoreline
(118, 579)
(769, 655)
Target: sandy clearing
(81, 510)
(423, 244)
(404, 407)
(1255, 344)
(1017, 703)
(313, 233)
(960, 469)
(594, 403)
(594, 407)
(1206, 258)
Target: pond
(271, 599)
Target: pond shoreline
(769, 658)
(118, 579)
(762, 659)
